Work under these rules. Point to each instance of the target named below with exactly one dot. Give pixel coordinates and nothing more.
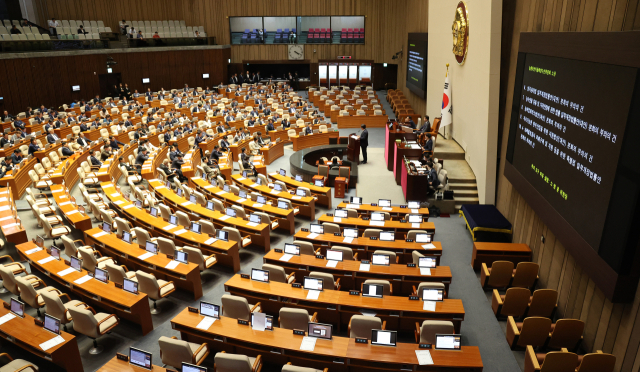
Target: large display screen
(570, 129)
(417, 64)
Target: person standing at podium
(364, 142)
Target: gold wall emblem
(460, 31)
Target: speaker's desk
(337, 307)
(313, 140)
(134, 308)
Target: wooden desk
(117, 365)
(25, 333)
(305, 204)
(402, 278)
(400, 228)
(322, 193)
(340, 354)
(185, 277)
(62, 133)
(337, 307)
(20, 180)
(259, 234)
(365, 246)
(226, 252)
(413, 184)
(10, 223)
(313, 140)
(399, 152)
(272, 152)
(377, 121)
(134, 308)
(391, 135)
(489, 252)
(62, 197)
(285, 218)
(395, 211)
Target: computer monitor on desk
(186, 367)
(355, 200)
(382, 337)
(316, 228)
(448, 342)
(319, 330)
(17, 307)
(52, 324)
(292, 249)
(377, 216)
(210, 310)
(387, 236)
(260, 275)
(341, 213)
(140, 358)
(372, 290)
(384, 203)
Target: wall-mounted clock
(296, 51)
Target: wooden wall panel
(36, 81)
(612, 328)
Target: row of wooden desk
(313, 140)
(226, 252)
(400, 228)
(337, 307)
(366, 246)
(134, 308)
(340, 354)
(395, 212)
(351, 274)
(10, 223)
(69, 208)
(306, 204)
(323, 193)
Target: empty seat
(238, 307)
(426, 333)
(225, 362)
(360, 326)
(290, 318)
(174, 352)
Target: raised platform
(303, 163)
(462, 180)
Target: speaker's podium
(353, 148)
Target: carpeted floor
(479, 328)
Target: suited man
(149, 94)
(66, 151)
(5, 116)
(177, 165)
(364, 142)
(409, 122)
(51, 137)
(39, 118)
(141, 158)
(232, 80)
(19, 124)
(127, 123)
(200, 137)
(224, 145)
(432, 178)
(285, 124)
(270, 126)
(316, 121)
(84, 127)
(94, 159)
(174, 152)
(258, 77)
(428, 146)
(167, 136)
(16, 157)
(105, 153)
(426, 127)
(308, 130)
(5, 139)
(82, 140)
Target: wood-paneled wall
(384, 19)
(417, 20)
(612, 328)
(48, 80)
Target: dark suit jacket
(15, 159)
(428, 146)
(141, 158)
(83, 141)
(52, 138)
(4, 141)
(33, 148)
(95, 161)
(67, 151)
(364, 138)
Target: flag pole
(447, 73)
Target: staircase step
(461, 180)
(466, 200)
(465, 193)
(462, 186)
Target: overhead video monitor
(417, 63)
(382, 337)
(146, 80)
(292, 249)
(209, 309)
(387, 236)
(381, 259)
(205, 76)
(447, 342)
(432, 294)
(372, 290)
(140, 358)
(320, 330)
(75, 88)
(334, 255)
(313, 284)
(260, 275)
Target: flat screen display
(130, 286)
(230, 212)
(380, 259)
(426, 262)
(222, 235)
(292, 249)
(52, 324)
(432, 294)
(387, 236)
(196, 228)
(209, 309)
(386, 338)
(186, 367)
(205, 76)
(312, 284)
(372, 290)
(101, 275)
(181, 256)
(140, 358)
(384, 202)
(447, 342)
(350, 233)
(316, 228)
(415, 218)
(255, 218)
(75, 263)
(334, 255)
(126, 236)
(423, 238)
(151, 247)
(260, 275)
(417, 63)
(342, 213)
(412, 204)
(145, 80)
(17, 307)
(320, 330)
(355, 200)
(75, 88)
(377, 216)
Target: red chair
(310, 30)
(317, 37)
(349, 30)
(317, 30)
(310, 38)
(350, 38)
(327, 38)
(323, 30)
(344, 30)
(362, 30)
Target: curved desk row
(340, 354)
(352, 274)
(184, 276)
(306, 204)
(337, 307)
(400, 228)
(226, 252)
(367, 209)
(323, 193)
(284, 217)
(313, 140)
(365, 246)
(134, 308)
(10, 223)
(66, 204)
